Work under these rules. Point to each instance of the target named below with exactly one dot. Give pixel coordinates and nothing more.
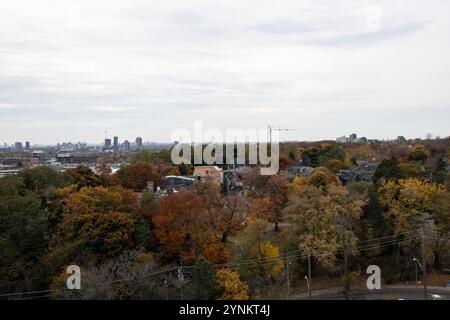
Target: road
(392, 292)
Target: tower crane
(270, 129)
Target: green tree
(83, 176)
(23, 241)
(42, 178)
(388, 170)
(440, 173)
(202, 285)
(153, 157)
(419, 154)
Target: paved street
(386, 292)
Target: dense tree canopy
(207, 242)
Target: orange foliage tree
(184, 230)
(135, 176)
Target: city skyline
(108, 142)
(146, 69)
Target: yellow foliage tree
(268, 257)
(408, 201)
(324, 221)
(230, 286)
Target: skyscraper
(116, 144)
(18, 146)
(107, 143)
(126, 145)
(139, 143)
(27, 145)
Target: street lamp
(417, 262)
(288, 277)
(309, 287)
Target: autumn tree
(183, 228)
(409, 170)
(276, 190)
(225, 212)
(144, 229)
(130, 275)
(167, 170)
(230, 286)
(135, 176)
(439, 240)
(231, 217)
(322, 177)
(298, 183)
(409, 205)
(363, 152)
(419, 154)
(106, 174)
(319, 155)
(325, 221)
(284, 162)
(334, 165)
(260, 258)
(408, 202)
(184, 169)
(96, 226)
(83, 176)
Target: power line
(390, 236)
(251, 263)
(439, 238)
(23, 293)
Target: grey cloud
(370, 37)
(282, 27)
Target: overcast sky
(145, 68)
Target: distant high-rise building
(353, 137)
(126, 145)
(27, 145)
(116, 143)
(107, 143)
(18, 146)
(401, 140)
(139, 143)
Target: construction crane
(270, 129)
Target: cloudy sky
(145, 68)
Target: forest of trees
(202, 243)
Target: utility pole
(288, 277)
(309, 277)
(424, 263)
(417, 284)
(417, 262)
(346, 270)
(309, 286)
